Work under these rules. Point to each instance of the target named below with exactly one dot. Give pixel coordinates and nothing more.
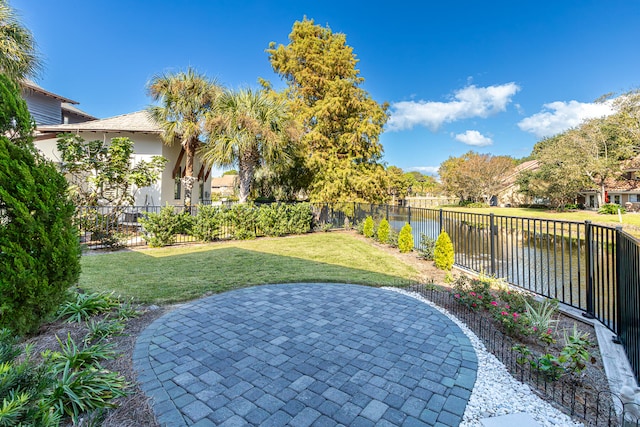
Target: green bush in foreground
(383, 231)
(443, 252)
(405, 239)
(367, 228)
(39, 248)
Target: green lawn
(182, 273)
(630, 221)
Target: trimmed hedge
(239, 222)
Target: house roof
(632, 165)
(510, 178)
(139, 121)
(224, 181)
(68, 107)
(30, 85)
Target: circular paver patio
(306, 354)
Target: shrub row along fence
(590, 267)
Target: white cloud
(429, 170)
(473, 137)
(468, 102)
(559, 116)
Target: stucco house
(145, 134)
(225, 186)
(509, 194)
(623, 191)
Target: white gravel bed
(496, 392)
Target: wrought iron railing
(590, 267)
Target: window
(177, 185)
(616, 199)
(634, 198)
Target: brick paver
(306, 354)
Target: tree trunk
(188, 180)
(245, 175)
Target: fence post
(441, 224)
(409, 215)
(589, 314)
(387, 213)
(618, 313)
(493, 243)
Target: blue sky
(492, 76)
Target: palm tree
(185, 98)
(247, 129)
(18, 55)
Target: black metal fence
(590, 267)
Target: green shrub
(39, 246)
(83, 306)
(383, 231)
(23, 385)
(469, 204)
(405, 239)
(367, 228)
(242, 219)
(208, 223)
(611, 209)
(427, 246)
(393, 238)
(443, 252)
(160, 229)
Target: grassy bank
(630, 222)
(182, 273)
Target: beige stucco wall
(168, 189)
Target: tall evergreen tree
(341, 122)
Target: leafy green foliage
(83, 306)
(160, 229)
(367, 227)
(427, 247)
(541, 315)
(576, 350)
(405, 239)
(104, 328)
(383, 231)
(611, 209)
(22, 387)
(18, 53)
(208, 223)
(185, 98)
(39, 249)
(443, 253)
(248, 128)
(282, 219)
(342, 122)
(104, 173)
(84, 390)
(15, 120)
